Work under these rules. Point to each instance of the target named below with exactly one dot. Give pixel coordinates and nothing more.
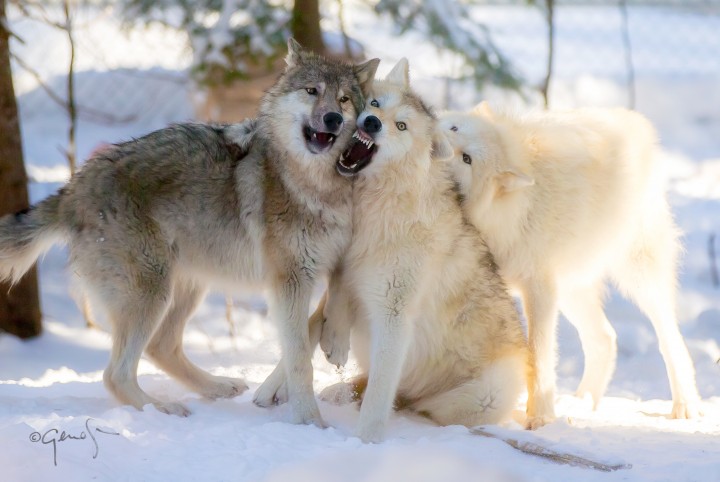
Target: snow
(54, 382)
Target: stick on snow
(538, 450)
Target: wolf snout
(372, 124)
(333, 121)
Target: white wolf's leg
(390, 339)
(583, 308)
(489, 399)
(134, 319)
(289, 302)
(540, 304)
(648, 276)
(165, 348)
(273, 390)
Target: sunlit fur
(153, 222)
(433, 326)
(566, 201)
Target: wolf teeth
(368, 142)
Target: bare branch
(59, 100)
(628, 54)
(538, 450)
(713, 261)
(550, 19)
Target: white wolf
(565, 201)
(434, 326)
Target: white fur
(566, 201)
(406, 286)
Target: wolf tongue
(323, 137)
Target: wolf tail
(26, 235)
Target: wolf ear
(441, 147)
(400, 74)
(510, 181)
(365, 74)
(484, 109)
(293, 56)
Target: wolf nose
(332, 121)
(372, 124)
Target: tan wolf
(153, 222)
(434, 328)
(565, 201)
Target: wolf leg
(273, 390)
(583, 308)
(540, 305)
(165, 348)
(290, 302)
(488, 399)
(134, 319)
(648, 277)
(390, 340)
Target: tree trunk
(305, 25)
(550, 19)
(19, 306)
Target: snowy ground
(54, 383)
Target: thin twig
(83, 111)
(713, 261)
(71, 106)
(550, 18)
(34, 73)
(538, 450)
(628, 53)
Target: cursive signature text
(55, 436)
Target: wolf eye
(401, 126)
(374, 103)
(311, 90)
(344, 99)
(467, 159)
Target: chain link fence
(636, 52)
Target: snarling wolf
(433, 327)
(567, 200)
(153, 222)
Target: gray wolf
(154, 222)
(433, 326)
(566, 201)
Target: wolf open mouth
(358, 155)
(318, 141)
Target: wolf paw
(224, 387)
(339, 394)
(682, 410)
(269, 394)
(311, 416)
(172, 408)
(534, 423)
(335, 345)
(371, 433)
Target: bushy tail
(26, 235)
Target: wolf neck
(315, 189)
(396, 197)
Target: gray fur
(152, 223)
